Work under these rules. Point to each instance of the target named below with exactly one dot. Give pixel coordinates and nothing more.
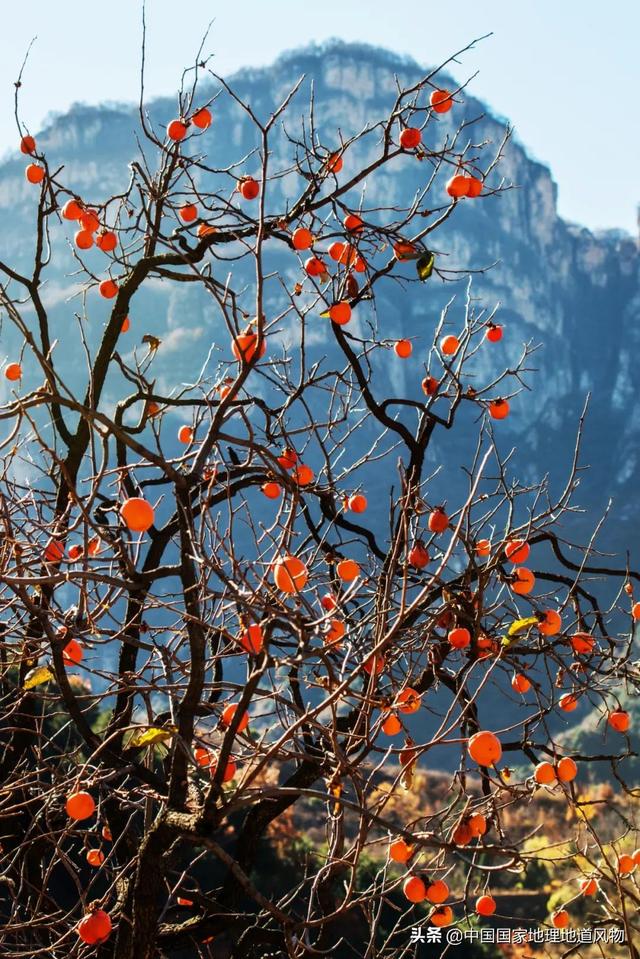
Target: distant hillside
(576, 293)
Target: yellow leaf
(520, 625)
(37, 676)
(147, 736)
(424, 265)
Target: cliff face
(576, 293)
(559, 285)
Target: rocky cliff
(575, 293)
(559, 285)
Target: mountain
(574, 292)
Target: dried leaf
(406, 779)
(152, 341)
(424, 265)
(37, 676)
(149, 735)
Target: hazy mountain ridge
(575, 292)
(557, 283)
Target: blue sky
(566, 74)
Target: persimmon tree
(208, 629)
